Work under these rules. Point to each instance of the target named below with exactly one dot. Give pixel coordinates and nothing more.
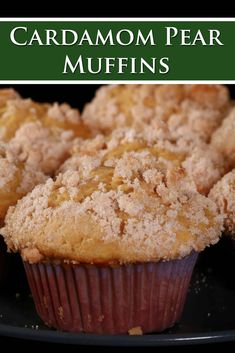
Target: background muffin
(184, 109)
(223, 193)
(223, 139)
(6, 95)
(16, 179)
(40, 134)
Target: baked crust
(126, 202)
(203, 164)
(223, 194)
(7, 94)
(223, 139)
(40, 134)
(16, 179)
(183, 109)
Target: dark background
(117, 9)
(76, 95)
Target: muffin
(110, 247)
(183, 109)
(6, 95)
(17, 111)
(204, 165)
(223, 194)
(223, 139)
(16, 179)
(40, 134)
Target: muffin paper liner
(144, 297)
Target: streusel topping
(41, 134)
(223, 139)
(122, 204)
(200, 161)
(16, 179)
(223, 193)
(184, 109)
(6, 95)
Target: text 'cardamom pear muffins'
(111, 249)
(40, 134)
(183, 109)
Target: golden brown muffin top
(16, 179)
(17, 112)
(223, 138)
(223, 193)
(41, 134)
(184, 109)
(124, 204)
(6, 95)
(200, 161)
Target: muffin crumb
(135, 331)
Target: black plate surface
(209, 314)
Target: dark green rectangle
(186, 62)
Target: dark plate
(209, 314)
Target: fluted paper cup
(134, 298)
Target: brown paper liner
(96, 299)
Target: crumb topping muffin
(223, 193)
(6, 95)
(122, 205)
(205, 166)
(223, 138)
(200, 161)
(42, 148)
(16, 179)
(17, 112)
(183, 108)
(41, 134)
